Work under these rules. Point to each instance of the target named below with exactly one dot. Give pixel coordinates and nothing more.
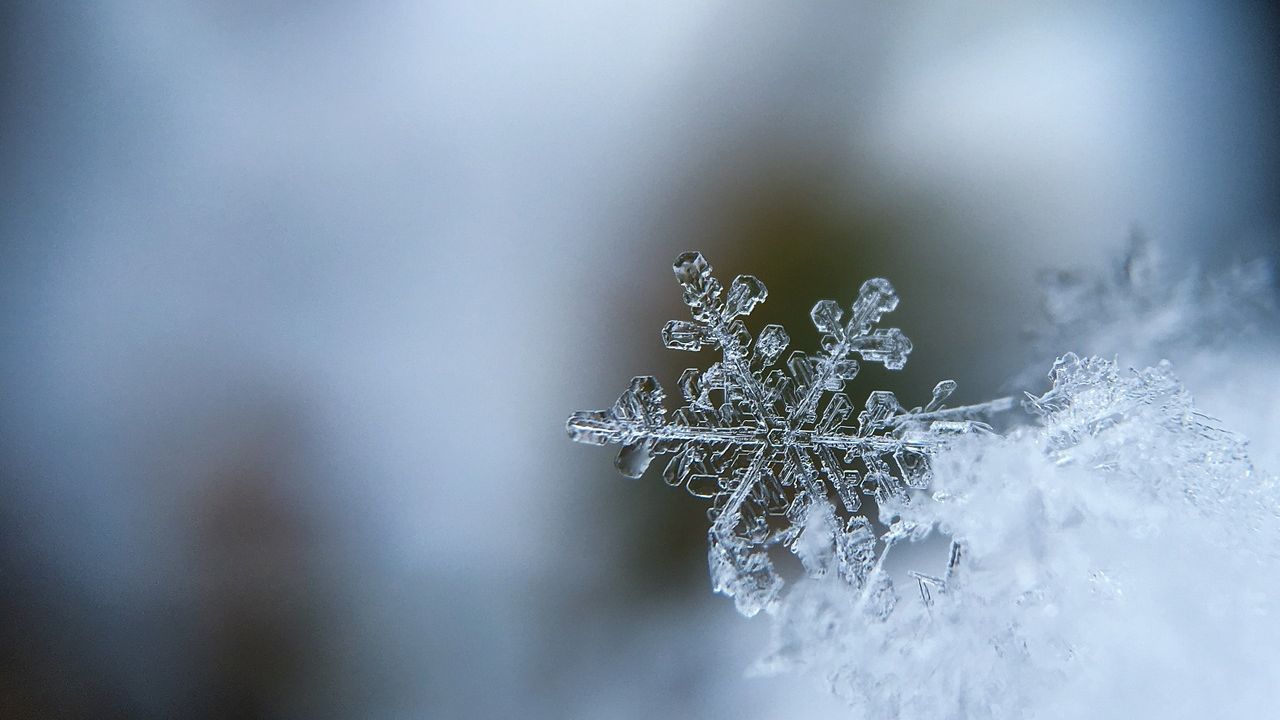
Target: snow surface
(1116, 543)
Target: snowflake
(771, 447)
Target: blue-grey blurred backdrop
(295, 298)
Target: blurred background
(296, 296)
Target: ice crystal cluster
(1116, 548)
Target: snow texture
(1146, 310)
(1086, 553)
(1115, 553)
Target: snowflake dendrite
(779, 451)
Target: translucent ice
(772, 447)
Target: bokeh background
(296, 296)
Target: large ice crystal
(780, 452)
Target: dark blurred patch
(52, 664)
(259, 589)
(239, 620)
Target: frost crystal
(1181, 455)
(779, 451)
